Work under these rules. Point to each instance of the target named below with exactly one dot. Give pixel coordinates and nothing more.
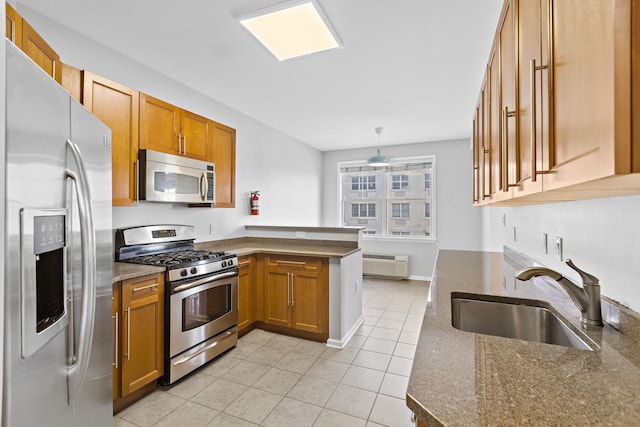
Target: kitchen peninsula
(327, 259)
(464, 378)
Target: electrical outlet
(212, 229)
(356, 283)
(514, 234)
(300, 234)
(545, 243)
(559, 248)
(504, 219)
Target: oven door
(202, 308)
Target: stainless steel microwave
(168, 178)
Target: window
(427, 181)
(363, 210)
(394, 201)
(362, 183)
(399, 182)
(400, 210)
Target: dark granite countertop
(462, 378)
(302, 247)
(123, 271)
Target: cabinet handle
(533, 96)
(243, 263)
(288, 289)
(142, 288)
(179, 144)
(505, 148)
(485, 152)
(184, 144)
(116, 339)
(291, 262)
(293, 302)
(128, 310)
(137, 178)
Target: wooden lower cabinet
(116, 317)
(297, 293)
(141, 333)
(246, 291)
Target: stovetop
(178, 258)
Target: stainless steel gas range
(201, 301)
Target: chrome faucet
(587, 297)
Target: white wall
(457, 222)
(601, 236)
(285, 170)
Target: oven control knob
(194, 270)
(230, 263)
(224, 264)
(183, 273)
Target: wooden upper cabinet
(575, 133)
(507, 39)
(495, 156)
(534, 95)
(172, 130)
(42, 54)
(118, 107)
(13, 26)
(159, 125)
(592, 65)
(195, 132)
(224, 157)
(72, 81)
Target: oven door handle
(205, 280)
(203, 350)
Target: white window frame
(403, 181)
(401, 210)
(427, 158)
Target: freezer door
(37, 126)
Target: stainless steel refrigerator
(58, 254)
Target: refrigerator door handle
(78, 371)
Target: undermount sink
(522, 319)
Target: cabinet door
(72, 81)
(277, 296)
(195, 132)
(306, 300)
(494, 157)
(533, 94)
(143, 332)
(246, 291)
(116, 317)
(224, 156)
(584, 52)
(508, 98)
(42, 54)
(118, 107)
(13, 26)
(159, 126)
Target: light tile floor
(276, 380)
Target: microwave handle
(204, 186)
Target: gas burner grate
(177, 258)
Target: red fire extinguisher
(255, 203)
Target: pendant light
(378, 160)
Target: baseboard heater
(390, 266)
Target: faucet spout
(586, 298)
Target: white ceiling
(413, 67)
